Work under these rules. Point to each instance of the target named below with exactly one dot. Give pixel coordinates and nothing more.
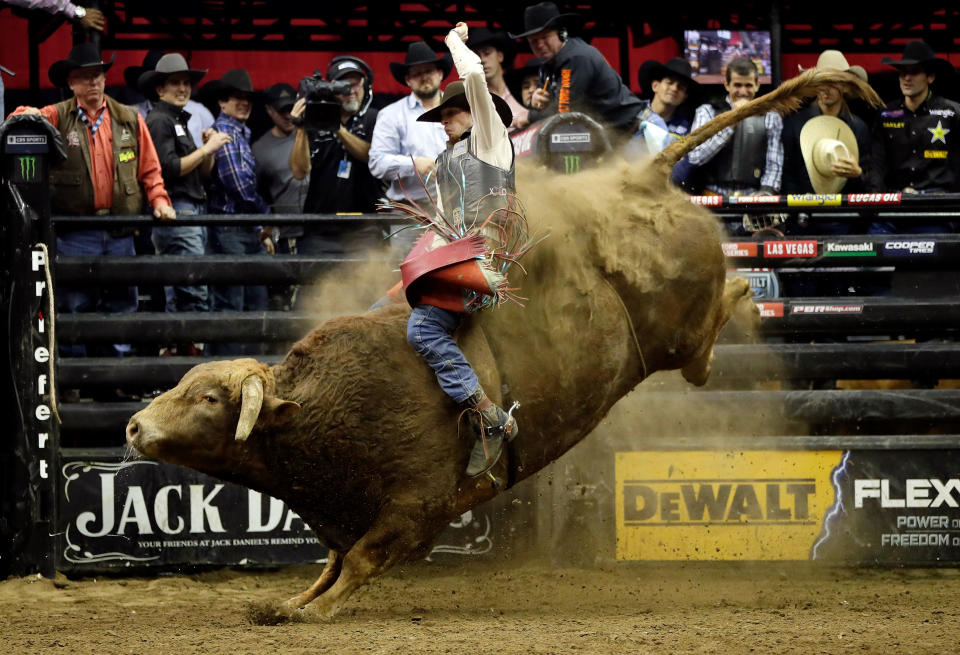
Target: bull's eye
(210, 399)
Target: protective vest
(743, 159)
(471, 189)
(71, 182)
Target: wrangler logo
(758, 501)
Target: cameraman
(335, 156)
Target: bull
(351, 429)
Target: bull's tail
(785, 99)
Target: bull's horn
(252, 399)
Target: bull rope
(633, 331)
(53, 341)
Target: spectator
(402, 151)
(671, 84)
(799, 176)
(111, 168)
(496, 52)
(234, 191)
(279, 187)
(578, 77)
(914, 136)
(200, 117)
(338, 163)
(89, 18)
(746, 158)
(523, 81)
(168, 89)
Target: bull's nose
(133, 430)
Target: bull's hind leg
(398, 533)
(698, 370)
(329, 575)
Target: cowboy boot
(491, 425)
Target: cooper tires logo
(910, 247)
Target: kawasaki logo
(571, 164)
(863, 249)
(28, 169)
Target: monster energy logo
(28, 169)
(571, 164)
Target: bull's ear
(278, 410)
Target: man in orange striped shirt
(111, 168)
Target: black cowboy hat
(455, 96)
(675, 67)
(481, 36)
(85, 55)
(419, 52)
(514, 78)
(235, 80)
(131, 74)
(345, 64)
(280, 96)
(542, 16)
(917, 52)
(166, 66)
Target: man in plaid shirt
(746, 159)
(234, 191)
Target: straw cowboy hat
(834, 60)
(823, 140)
(543, 16)
(455, 96)
(167, 65)
(419, 52)
(84, 55)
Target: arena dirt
(470, 607)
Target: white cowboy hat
(823, 140)
(834, 60)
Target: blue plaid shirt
(234, 186)
(772, 171)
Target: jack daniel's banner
(140, 513)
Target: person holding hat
(915, 138)
(88, 17)
(234, 190)
(451, 270)
(402, 150)
(495, 50)
(183, 164)
(845, 171)
(201, 119)
(671, 85)
(338, 165)
(575, 74)
(111, 168)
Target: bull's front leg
(329, 575)
(395, 536)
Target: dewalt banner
(710, 505)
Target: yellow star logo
(939, 133)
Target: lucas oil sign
(898, 507)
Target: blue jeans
(428, 330)
(109, 298)
(183, 240)
(236, 240)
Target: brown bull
(352, 431)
